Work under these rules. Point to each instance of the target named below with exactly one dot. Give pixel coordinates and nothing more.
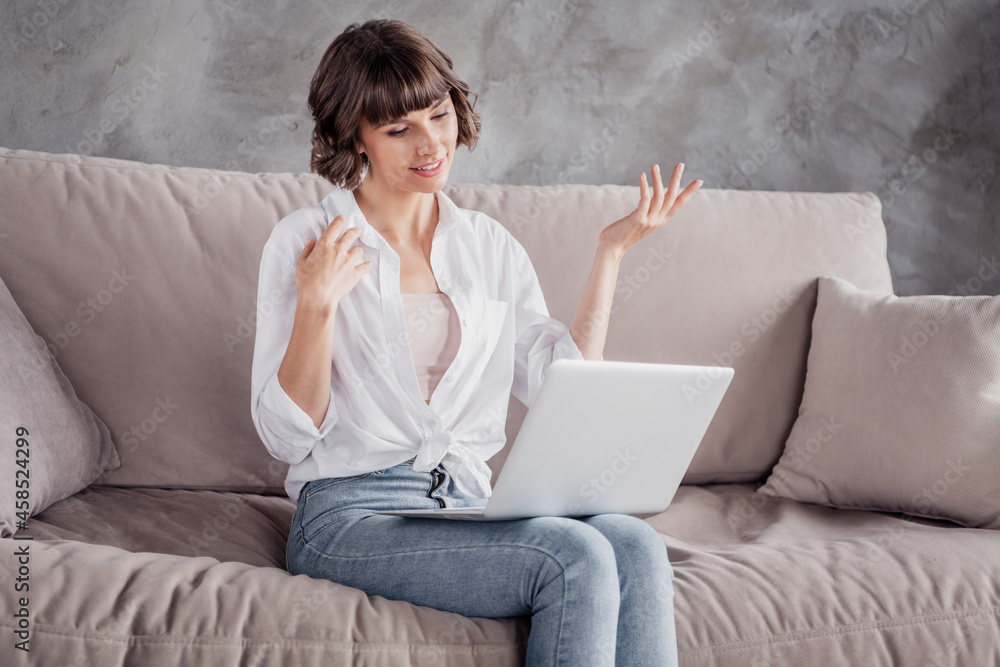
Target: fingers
(349, 237)
(675, 183)
(644, 196)
(332, 232)
(657, 201)
(307, 249)
(332, 237)
(684, 196)
(364, 267)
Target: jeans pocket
(317, 485)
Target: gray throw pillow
(901, 409)
(53, 444)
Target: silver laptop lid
(607, 436)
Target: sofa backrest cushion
(142, 279)
(728, 281)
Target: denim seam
(562, 569)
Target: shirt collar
(342, 202)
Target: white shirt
(377, 417)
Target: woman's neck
(399, 216)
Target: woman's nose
(428, 141)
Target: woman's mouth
(429, 170)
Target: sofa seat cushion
(100, 605)
(772, 581)
(242, 527)
(758, 581)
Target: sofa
(141, 282)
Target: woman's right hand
(327, 270)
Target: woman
(375, 412)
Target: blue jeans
(599, 589)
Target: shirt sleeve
(540, 339)
(286, 430)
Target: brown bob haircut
(380, 70)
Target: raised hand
(653, 210)
(327, 269)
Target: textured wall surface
(901, 98)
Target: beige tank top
(435, 334)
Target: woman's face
(412, 153)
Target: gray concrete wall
(901, 98)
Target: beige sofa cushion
(901, 410)
(758, 580)
(166, 362)
(53, 444)
(728, 281)
(231, 527)
(768, 581)
(163, 355)
(100, 605)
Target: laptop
(601, 437)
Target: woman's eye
(400, 132)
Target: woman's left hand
(653, 210)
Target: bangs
(399, 86)
(380, 72)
